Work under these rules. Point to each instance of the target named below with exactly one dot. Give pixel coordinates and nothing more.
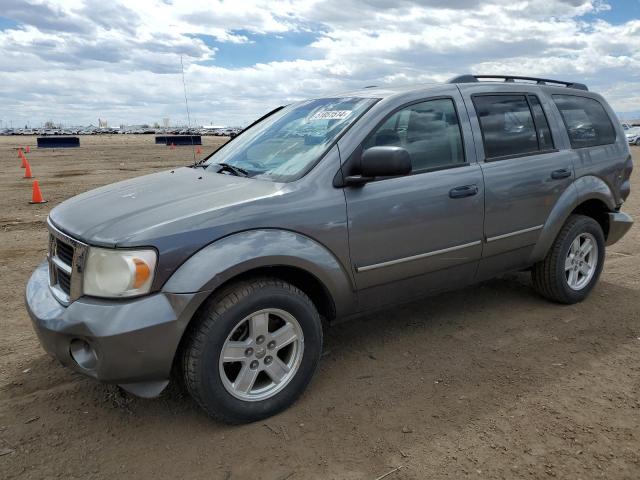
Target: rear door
(421, 232)
(523, 171)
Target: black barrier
(179, 140)
(58, 142)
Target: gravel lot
(487, 382)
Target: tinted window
(429, 131)
(586, 120)
(507, 125)
(545, 141)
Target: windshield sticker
(330, 115)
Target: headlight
(118, 273)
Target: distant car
(625, 126)
(633, 136)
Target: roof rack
(512, 78)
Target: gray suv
(226, 271)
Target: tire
(553, 280)
(232, 321)
(638, 142)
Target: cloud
(44, 16)
(110, 16)
(75, 60)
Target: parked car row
(229, 132)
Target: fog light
(83, 354)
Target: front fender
(241, 252)
(583, 189)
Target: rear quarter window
(586, 121)
(507, 125)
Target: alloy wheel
(581, 261)
(261, 355)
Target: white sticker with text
(330, 115)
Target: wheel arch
(300, 278)
(596, 209)
(588, 195)
(283, 254)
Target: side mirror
(381, 162)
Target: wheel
(252, 351)
(638, 142)
(574, 262)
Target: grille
(64, 252)
(64, 281)
(66, 260)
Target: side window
(429, 131)
(545, 140)
(586, 120)
(507, 125)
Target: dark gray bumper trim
(619, 225)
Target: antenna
(186, 102)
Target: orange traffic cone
(27, 171)
(199, 151)
(24, 159)
(36, 194)
(27, 149)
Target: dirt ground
(487, 382)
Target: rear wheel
(253, 350)
(574, 262)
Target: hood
(134, 209)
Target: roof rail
(512, 78)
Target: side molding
(583, 189)
(244, 251)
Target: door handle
(562, 173)
(463, 191)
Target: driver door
(414, 234)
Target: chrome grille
(66, 259)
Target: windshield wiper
(237, 171)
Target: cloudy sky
(73, 61)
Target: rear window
(507, 125)
(586, 120)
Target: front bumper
(619, 225)
(134, 340)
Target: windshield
(285, 145)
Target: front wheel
(574, 262)
(253, 350)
